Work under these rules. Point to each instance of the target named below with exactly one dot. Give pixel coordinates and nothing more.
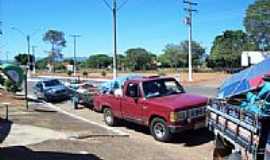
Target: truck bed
(239, 127)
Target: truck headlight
(178, 116)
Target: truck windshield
(163, 87)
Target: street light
(27, 67)
(28, 61)
(28, 46)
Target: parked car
(51, 90)
(83, 94)
(159, 103)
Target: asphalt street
(94, 140)
(202, 90)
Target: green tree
(139, 59)
(98, 61)
(257, 23)
(22, 58)
(122, 62)
(42, 63)
(177, 55)
(57, 40)
(198, 52)
(173, 56)
(10, 86)
(227, 49)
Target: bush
(104, 73)
(69, 73)
(10, 87)
(85, 74)
(60, 66)
(2, 80)
(161, 73)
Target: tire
(221, 150)
(160, 130)
(109, 119)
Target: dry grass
(211, 77)
(6, 97)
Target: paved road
(208, 91)
(139, 144)
(202, 90)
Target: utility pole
(7, 56)
(34, 58)
(27, 73)
(114, 41)
(188, 21)
(1, 32)
(114, 8)
(28, 55)
(75, 36)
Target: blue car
(51, 90)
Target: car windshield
(52, 83)
(164, 87)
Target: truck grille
(196, 112)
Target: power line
(119, 6)
(107, 4)
(122, 5)
(188, 21)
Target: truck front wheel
(109, 119)
(160, 130)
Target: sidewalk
(41, 123)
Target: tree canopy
(257, 23)
(98, 61)
(227, 49)
(42, 63)
(57, 40)
(22, 58)
(176, 55)
(139, 59)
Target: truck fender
(155, 116)
(104, 105)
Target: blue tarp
(117, 83)
(245, 80)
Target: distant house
(249, 58)
(69, 67)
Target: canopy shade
(14, 73)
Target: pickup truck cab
(159, 103)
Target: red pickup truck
(160, 103)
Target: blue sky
(141, 23)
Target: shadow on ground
(24, 153)
(188, 138)
(193, 137)
(5, 126)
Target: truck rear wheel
(109, 119)
(160, 130)
(223, 150)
